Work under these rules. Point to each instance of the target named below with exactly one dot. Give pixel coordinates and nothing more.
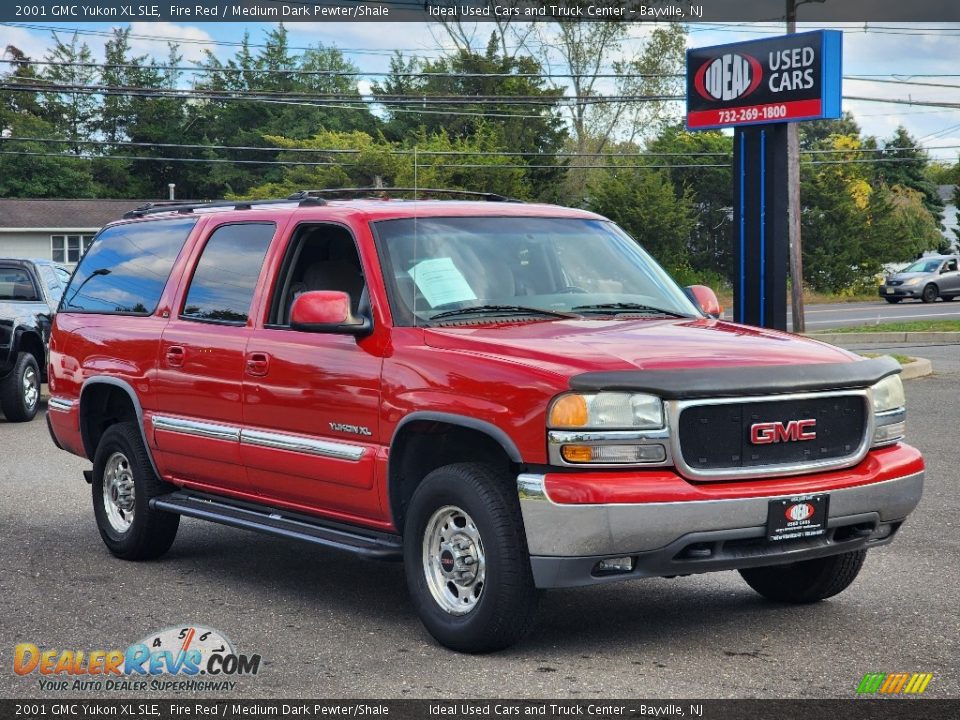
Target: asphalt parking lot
(328, 625)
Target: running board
(273, 521)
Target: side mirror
(706, 299)
(327, 311)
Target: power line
(451, 74)
(478, 153)
(523, 166)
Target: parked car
(29, 293)
(927, 279)
(506, 396)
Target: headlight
(606, 411)
(912, 281)
(890, 416)
(888, 394)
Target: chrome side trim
(297, 443)
(675, 407)
(556, 439)
(60, 404)
(608, 529)
(198, 429)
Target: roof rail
(385, 192)
(187, 208)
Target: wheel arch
(424, 441)
(105, 401)
(29, 340)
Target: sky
(890, 51)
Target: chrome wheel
(118, 492)
(31, 388)
(453, 560)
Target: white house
(58, 230)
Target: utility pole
(793, 204)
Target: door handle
(175, 356)
(258, 364)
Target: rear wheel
(929, 293)
(123, 485)
(467, 566)
(808, 581)
(20, 389)
(892, 301)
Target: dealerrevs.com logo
(180, 658)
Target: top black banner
(287, 11)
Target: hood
(908, 275)
(568, 347)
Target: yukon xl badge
(353, 429)
(766, 433)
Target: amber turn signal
(569, 411)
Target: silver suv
(927, 279)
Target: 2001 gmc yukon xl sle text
(508, 397)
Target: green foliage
(645, 203)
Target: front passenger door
(312, 400)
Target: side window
(127, 267)
(15, 284)
(320, 257)
(50, 279)
(226, 275)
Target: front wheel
(123, 485)
(20, 389)
(467, 566)
(807, 581)
(929, 293)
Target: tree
(851, 228)
(72, 111)
(710, 189)
(645, 203)
(531, 128)
(578, 53)
(905, 164)
(356, 159)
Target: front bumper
(567, 539)
(901, 291)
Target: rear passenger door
(200, 365)
(311, 400)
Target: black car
(30, 291)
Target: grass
(908, 326)
(902, 359)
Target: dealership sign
(775, 80)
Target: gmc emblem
(774, 432)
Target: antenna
(416, 209)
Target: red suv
(505, 396)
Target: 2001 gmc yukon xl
(506, 396)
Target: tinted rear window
(226, 276)
(125, 269)
(15, 284)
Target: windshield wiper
(614, 308)
(501, 310)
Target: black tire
(505, 607)
(808, 581)
(893, 301)
(17, 402)
(150, 532)
(929, 294)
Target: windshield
(544, 267)
(923, 266)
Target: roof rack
(188, 208)
(385, 192)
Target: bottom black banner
(853, 709)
